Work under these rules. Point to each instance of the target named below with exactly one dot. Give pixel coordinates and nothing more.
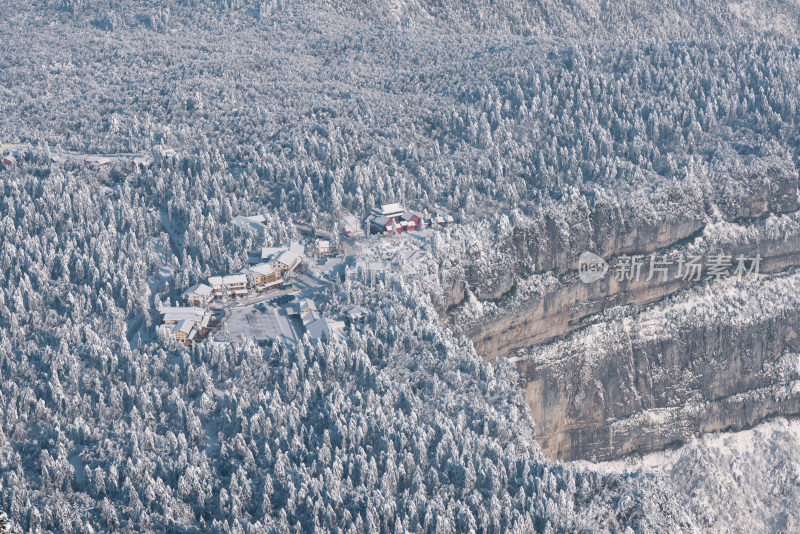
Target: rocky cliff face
(643, 393)
(611, 388)
(723, 357)
(572, 304)
(552, 237)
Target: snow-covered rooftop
(263, 269)
(185, 326)
(390, 210)
(251, 222)
(356, 312)
(306, 304)
(200, 290)
(309, 316)
(163, 310)
(286, 254)
(324, 328)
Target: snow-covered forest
(539, 125)
(293, 113)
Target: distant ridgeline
(684, 19)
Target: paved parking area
(263, 323)
(259, 318)
(306, 283)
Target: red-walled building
(393, 218)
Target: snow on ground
(307, 284)
(328, 267)
(164, 270)
(722, 445)
(135, 326)
(377, 245)
(747, 481)
(263, 323)
(175, 239)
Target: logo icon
(591, 267)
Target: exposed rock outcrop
(522, 295)
(721, 357)
(573, 303)
(551, 237)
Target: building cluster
(394, 219)
(282, 320)
(186, 323)
(271, 272)
(11, 155)
(276, 263)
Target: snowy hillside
(150, 147)
(684, 19)
(742, 482)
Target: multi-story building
(232, 285)
(264, 276)
(286, 257)
(185, 323)
(199, 295)
(392, 219)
